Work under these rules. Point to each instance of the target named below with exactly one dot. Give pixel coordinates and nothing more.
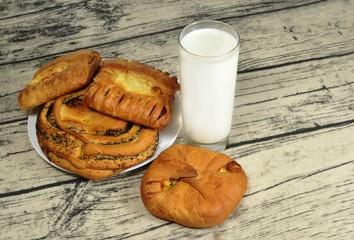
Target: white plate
(167, 136)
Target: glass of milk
(208, 53)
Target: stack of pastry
(99, 118)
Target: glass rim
(215, 22)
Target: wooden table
(293, 127)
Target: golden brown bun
(134, 92)
(192, 186)
(89, 143)
(63, 75)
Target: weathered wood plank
(298, 189)
(298, 97)
(66, 25)
(296, 35)
(160, 50)
(292, 182)
(16, 9)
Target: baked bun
(61, 76)
(192, 186)
(134, 92)
(89, 143)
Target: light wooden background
(293, 127)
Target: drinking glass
(208, 54)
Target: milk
(208, 64)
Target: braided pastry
(134, 92)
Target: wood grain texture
(297, 189)
(292, 130)
(86, 24)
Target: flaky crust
(134, 92)
(89, 143)
(193, 187)
(61, 76)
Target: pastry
(134, 92)
(192, 186)
(61, 76)
(89, 143)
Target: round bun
(134, 92)
(192, 186)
